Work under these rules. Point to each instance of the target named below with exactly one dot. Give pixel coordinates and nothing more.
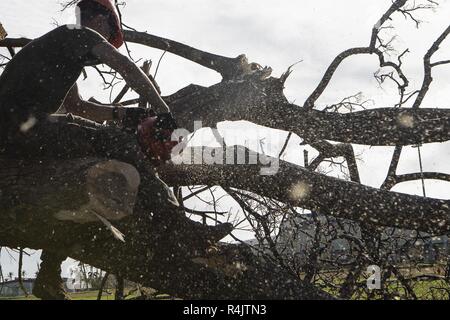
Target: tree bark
(34, 195)
(310, 190)
(229, 68)
(263, 102)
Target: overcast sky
(277, 34)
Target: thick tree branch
(300, 187)
(263, 103)
(229, 68)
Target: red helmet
(117, 37)
(155, 138)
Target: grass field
(431, 289)
(423, 290)
(88, 295)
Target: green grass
(87, 295)
(331, 282)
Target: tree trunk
(48, 206)
(301, 187)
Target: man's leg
(48, 284)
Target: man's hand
(131, 117)
(164, 122)
(155, 137)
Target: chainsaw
(155, 137)
(154, 134)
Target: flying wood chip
(3, 33)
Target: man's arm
(131, 73)
(74, 104)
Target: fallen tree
(40, 203)
(51, 205)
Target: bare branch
(428, 68)
(371, 49)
